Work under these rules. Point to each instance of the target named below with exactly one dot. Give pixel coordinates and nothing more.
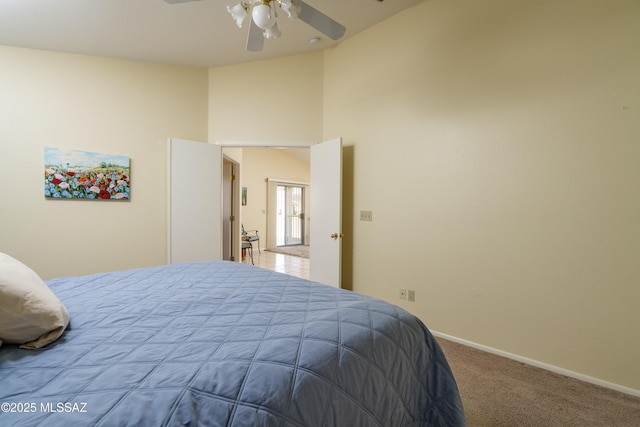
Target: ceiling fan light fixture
(263, 16)
(239, 12)
(272, 33)
(291, 8)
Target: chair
(251, 236)
(248, 246)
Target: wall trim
(287, 181)
(270, 144)
(538, 364)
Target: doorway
(290, 227)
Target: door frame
(327, 278)
(231, 240)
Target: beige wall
(277, 100)
(498, 150)
(93, 104)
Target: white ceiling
(199, 34)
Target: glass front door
(290, 208)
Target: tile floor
(293, 265)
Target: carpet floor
(500, 392)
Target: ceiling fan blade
(255, 38)
(321, 22)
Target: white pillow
(30, 314)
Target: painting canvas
(74, 174)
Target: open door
(194, 216)
(326, 212)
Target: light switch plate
(366, 216)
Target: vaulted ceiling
(199, 33)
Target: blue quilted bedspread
(227, 344)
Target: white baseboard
(532, 362)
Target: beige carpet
(500, 392)
(295, 250)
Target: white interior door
(194, 214)
(326, 212)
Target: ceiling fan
(263, 17)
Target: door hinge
(232, 218)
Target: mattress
(227, 344)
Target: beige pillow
(30, 314)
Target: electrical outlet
(411, 295)
(403, 293)
(366, 216)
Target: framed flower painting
(74, 174)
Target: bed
(227, 344)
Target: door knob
(335, 236)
